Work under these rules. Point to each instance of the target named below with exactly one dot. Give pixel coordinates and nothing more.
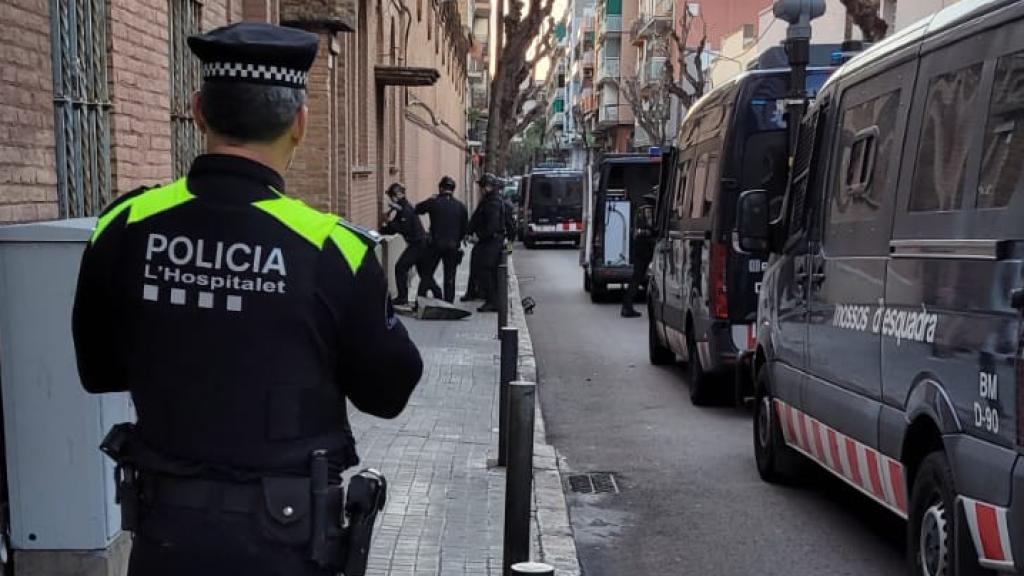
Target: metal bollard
(509, 370)
(533, 568)
(519, 474)
(502, 296)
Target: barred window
(81, 105)
(183, 17)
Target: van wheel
(930, 531)
(700, 387)
(776, 462)
(597, 291)
(586, 281)
(658, 353)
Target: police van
(622, 182)
(703, 293)
(889, 342)
(551, 206)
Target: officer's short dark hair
(250, 112)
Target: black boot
(629, 313)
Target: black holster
(128, 493)
(367, 494)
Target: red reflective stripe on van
(876, 480)
(896, 483)
(833, 445)
(818, 449)
(805, 441)
(988, 529)
(851, 455)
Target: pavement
(690, 500)
(445, 507)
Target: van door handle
(1017, 298)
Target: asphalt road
(691, 502)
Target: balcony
(609, 70)
(610, 25)
(557, 121)
(649, 25)
(652, 70)
(481, 8)
(608, 114)
(558, 94)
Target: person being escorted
(241, 320)
(449, 223)
(488, 225)
(404, 222)
(644, 239)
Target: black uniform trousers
(416, 254)
(488, 256)
(449, 258)
(473, 283)
(642, 256)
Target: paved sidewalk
(445, 507)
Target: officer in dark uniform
(488, 225)
(404, 221)
(240, 320)
(643, 251)
(449, 222)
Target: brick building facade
(114, 114)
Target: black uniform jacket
(488, 222)
(240, 320)
(448, 220)
(406, 223)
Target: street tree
(864, 14)
(651, 98)
(517, 99)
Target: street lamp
(799, 14)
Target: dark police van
(703, 293)
(551, 205)
(889, 345)
(622, 182)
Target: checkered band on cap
(256, 72)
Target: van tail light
(1020, 389)
(719, 299)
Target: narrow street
(691, 501)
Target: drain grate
(594, 483)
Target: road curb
(553, 541)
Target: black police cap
(256, 52)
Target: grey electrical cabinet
(61, 485)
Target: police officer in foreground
(488, 225)
(240, 320)
(449, 223)
(644, 239)
(404, 221)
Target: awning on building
(316, 15)
(406, 76)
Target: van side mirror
(752, 222)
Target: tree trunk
(865, 15)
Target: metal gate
(81, 105)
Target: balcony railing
(651, 25)
(653, 69)
(558, 119)
(609, 114)
(612, 24)
(609, 69)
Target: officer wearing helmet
(449, 222)
(242, 322)
(403, 220)
(644, 238)
(488, 225)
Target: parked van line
(889, 341)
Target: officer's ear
(197, 112)
(299, 125)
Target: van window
(700, 178)
(941, 166)
(710, 186)
(868, 132)
(679, 202)
(1004, 136)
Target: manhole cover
(594, 483)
